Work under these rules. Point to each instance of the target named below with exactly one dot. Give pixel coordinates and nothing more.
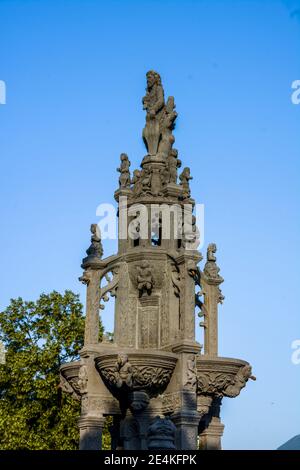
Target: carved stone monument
(162, 388)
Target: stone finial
(185, 178)
(124, 180)
(95, 249)
(211, 269)
(173, 163)
(160, 117)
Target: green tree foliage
(39, 336)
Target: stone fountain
(162, 388)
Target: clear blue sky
(75, 75)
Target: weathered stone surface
(161, 434)
(163, 389)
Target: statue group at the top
(159, 140)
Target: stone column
(210, 281)
(186, 423)
(115, 433)
(91, 277)
(90, 432)
(210, 438)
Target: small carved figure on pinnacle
(211, 250)
(124, 180)
(173, 163)
(211, 269)
(185, 178)
(137, 183)
(95, 249)
(160, 118)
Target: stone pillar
(210, 281)
(91, 277)
(210, 438)
(115, 433)
(90, 432)
(186, 423)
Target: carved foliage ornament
(133, 377)
(221, 384)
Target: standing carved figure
(124, 180)
(146, 178)
(95, 249)
(137, 183)
(166, 126)
(153, 103)
(211, 250)
(173, 163)
(185, 178)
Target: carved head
(122, 359)
(123, 157)
(95, 230)
(153, 78)
(212, 248)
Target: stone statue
(144, 278)
(153, 103)
(173, 163)
(211, 250)
(185, 178)
(137, 183)
(146, 180)
(124, 180)
(123, 371)
(211, 269)
(95, 249)
(166, 127)
(160, 118)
